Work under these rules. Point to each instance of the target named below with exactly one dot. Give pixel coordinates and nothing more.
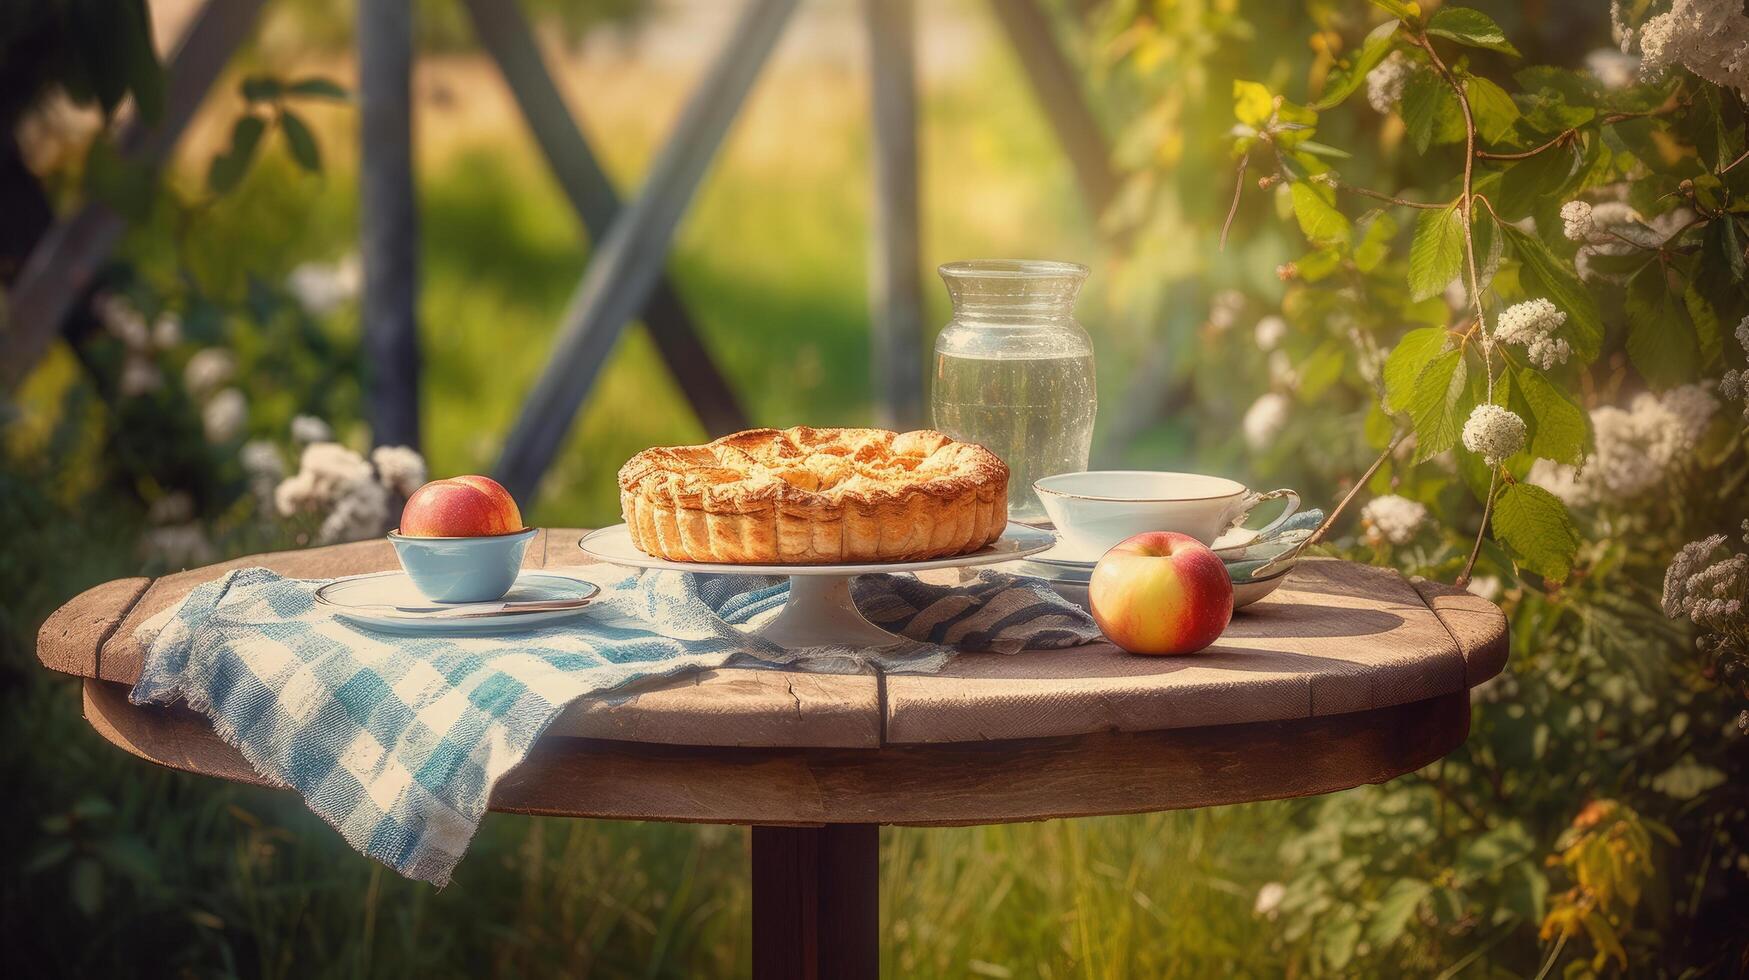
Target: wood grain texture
(69, 639)
(1338, 637)
(928, 785)
(1476, 625)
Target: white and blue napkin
(397, 741)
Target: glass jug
(1014, 371)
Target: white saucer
(1069, 555)
(384, 601)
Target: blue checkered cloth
(397, 741)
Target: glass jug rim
(1011, 269)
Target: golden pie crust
(806, 496)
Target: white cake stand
(819, 611)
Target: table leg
(816, 902)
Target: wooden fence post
(895, 290)
(388, 220)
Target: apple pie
(807, 496)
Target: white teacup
(1096, 509)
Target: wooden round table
(1349, 674)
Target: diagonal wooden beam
(72, 252)
(630, 258)
(1057, 86)
(895, 285)
(505, 33)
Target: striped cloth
(397, 741)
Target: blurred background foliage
(1594, 822)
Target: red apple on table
(1161, 593)
(460, 507)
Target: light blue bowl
(463, 569)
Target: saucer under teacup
(1094, 510)
(391, 602)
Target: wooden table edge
(944, 784)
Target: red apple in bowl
(1161, 593)
(460, 507)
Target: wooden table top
(1347, 674)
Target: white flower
(261, 459)
(1269, 332)
(1269, 899)
(1708, 37)
(224, 416)
(166, 331)
(1264, 419)
(1486, 586)
(123, 321)
(1693, 408)
(1393, 518)
(139, 376)
(1546, 352)
(1612, 69)
(1742, 334)
(1224, 308)
(1281, 370)
(307, 429)
(399, 468)
(1576, 220)
(1384, 84)
(322, 288)
(361, 511)
(1559, 479)
(1494, 433)
(1524, 322)
(210, 369)
(323, 471)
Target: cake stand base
(820, 613)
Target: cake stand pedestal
(819, 611)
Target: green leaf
(1661, 342)
(301, 141)
(1430, 111)
(1377, 229)
(1559, 428)
(261, 88)
(1408, 359)
(1339, 942)
(229, 166)
(1472, 27)
(1705, 317)
(1318, 218)
(85, 885)
(1436, 252)
(145, 75)
(1721, 245)
(1400, 9)
(1436, 404)
(1527, 182)
(1687, 779)
(1345, 81)
(1536, 530)
(1494, 850)
(1252, 103)
(1395, 909)
(318, 88)
(1493, 110)
(1543, 274)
